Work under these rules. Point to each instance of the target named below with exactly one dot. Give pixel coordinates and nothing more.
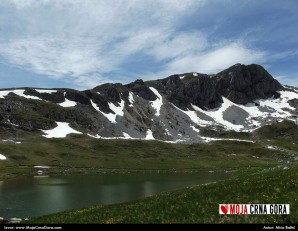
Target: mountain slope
(241, 98)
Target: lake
(40, 195)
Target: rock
(294, 103)
(110, 92)
(139, 88)
(55, 97)
(198, 90)
(243, 84)
(77, 96)
(100, 101)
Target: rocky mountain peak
(243, 84)
(139, 82)
(139, 88)
(189, 89)
(173, 108)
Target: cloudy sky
(83, 43)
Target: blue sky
(83, 43)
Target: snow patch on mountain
(275, 108)
(9, 122)
(94, 136)
(61, 131)
(210, 139)
(4, 93)
(255, 113)
(156, 104)
(2, 157)
(118, 110)
(168, 132)
(194, 117)
(12, 141)
(130, 99)
(295, 89)
(126, 136)
(68, 103)
(195, 129)
(279, 103)
(19, 93)
(110, 116)
(217, 115)
(94, 105)
(46, 91)
(149, 135)
(272, 147)
(42, 166)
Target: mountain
(176, 108)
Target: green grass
(80, 153)
(252, 181)
(221, 133)
(284, 135)
(198, 204)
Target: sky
(84, 43)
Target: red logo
(238, 209)
(224, 209)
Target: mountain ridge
(240, 98)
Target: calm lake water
(35, 196)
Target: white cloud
(141, 40)
(283, 55)
(179, 45)
(291, 80)
(84, 41)
(54, 57)
(223, 57)
(80, 38)
(89, 81)
(28, 3)
(210, 60)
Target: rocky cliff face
(190, 88)
(243, 84)
(240, 98)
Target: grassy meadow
(198, 204)
(259, 174)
